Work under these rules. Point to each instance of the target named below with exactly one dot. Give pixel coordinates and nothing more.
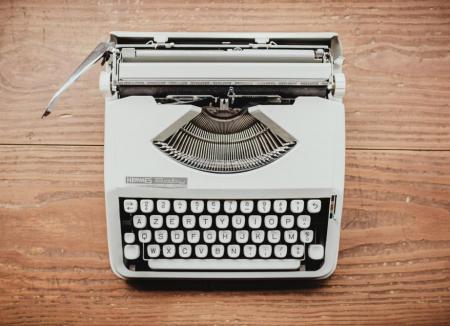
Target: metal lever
(103, 50)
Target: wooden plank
(397, 61)
(394, 265)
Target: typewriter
(224, 153)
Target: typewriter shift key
(316, 252)
(131, 252)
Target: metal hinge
(160, 41)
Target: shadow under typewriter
(235, 285)
(226, 141)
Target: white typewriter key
(179, 206)
(131, 252)
(144, 236)
(169, 251)
(230, 206)
(238, 221)
(265, 251)
(193, 236)
(146, 205)
(306, 236)
(222, 221)
(297, 251)
(303, 221)
(224, 236)
(156, 221)
(213, 206)
(163, 206)
(274, 236)
(205, 221)
(246, 206)
(161, 236)
(280, 206)
(129, 237)
(316, 251)
(257, 236)
(249, 251)
(287, 221)
(201, 251)
(271, 221)
(177, 236)
(263, 206)
(188, 221)
(280, 251)
(233, 251)
(254, 221)
(185, 251)
(242, 236)
(130, 205)
(139, 221)
(209, 236)
(172, 221)
(153, 251)
(197, 206)
(217, 251)
(314, 206)
(297, 206)
(290, 236)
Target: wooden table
(394, 265)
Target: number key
(280, 206)
(297, 205)
(246, 206)
(163, 206)
(213, 206)
(179, 206)
(146, 205)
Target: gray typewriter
(224, 153)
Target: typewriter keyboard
(224, 235)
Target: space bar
(224, 264)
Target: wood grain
(394, 265)
(397, 61)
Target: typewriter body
(224, 153)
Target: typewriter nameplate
(158, 182)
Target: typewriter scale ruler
(222, 82)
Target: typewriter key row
(219, 251)
(180, 206)
(222, 236)
(315, 252)
(221, 221)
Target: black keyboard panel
(285, 242)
